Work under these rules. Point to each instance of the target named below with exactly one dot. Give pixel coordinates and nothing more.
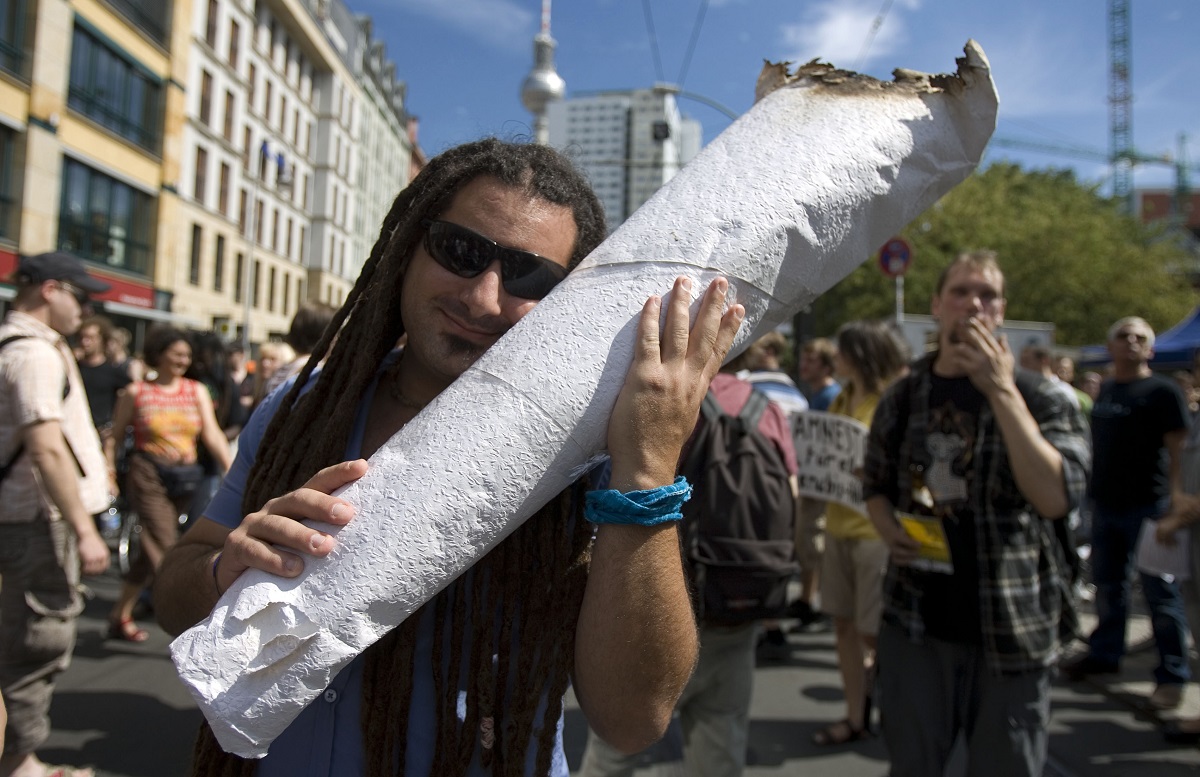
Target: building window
(304, 195)
(219, 264)
(271, 290)
(275, 230)
(283, 105)
(258, 223)
(201, 175)
(210, 30)
(149, 15)
(194, 265)
(239, 276)
(300, 258)
(228, 133)
(254, 295)
(299, 291)
(235, 43)
(267, 87)
(287, 294)
(9, 208)
(242, 214)
(251, 83)
(223, 194)
(113, 91)
(247, 142)
(205, 97)
(104, 220)
(288, 241)
(12, 35)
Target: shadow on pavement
(151, 739)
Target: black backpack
(738, 527)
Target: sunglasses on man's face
(467, 254)
(79, 294)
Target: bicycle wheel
(129, 543)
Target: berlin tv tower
(543, 85)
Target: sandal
(840, 733)
(68, 771)
(127, 631)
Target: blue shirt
(326, 739)
(821, 400)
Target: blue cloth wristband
(651, 507)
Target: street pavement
(121, 709)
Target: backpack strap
(8, 465)
(752, 411)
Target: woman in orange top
(168, 414)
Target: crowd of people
(951, 585)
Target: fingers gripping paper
(785, 203)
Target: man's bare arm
(47, 449)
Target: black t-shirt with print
(950, 603)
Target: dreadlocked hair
(517, 608)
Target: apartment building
(629, 142)
(89, 95)
(273, 180)
(202, 156)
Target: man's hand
(986, 359)
(657, 408)
(93, 553)
(901, 545)
(1185, 509)
(257, 542)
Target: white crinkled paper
(785, 203)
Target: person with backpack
(870, 354)
(53, 482)
(738, 548)
(982, 462)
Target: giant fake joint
(785, 203)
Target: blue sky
(464, 61)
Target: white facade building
(273, 179)
(630, 143)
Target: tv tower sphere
(543, 85)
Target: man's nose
(485, 293)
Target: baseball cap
(59, 266)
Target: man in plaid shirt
(991, 458)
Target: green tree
(1069, 257)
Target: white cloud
(502, 24)
(837, 31)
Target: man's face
(66, 307)
(969, 292)
(1065, 370)
(90, 341)
(1030, 360)
(812, 368)
(451, 320)
(1131, 344)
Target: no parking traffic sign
(894, 257)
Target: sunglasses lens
(529, 276)
(458, 250)
(467, 254)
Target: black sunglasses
(466, 254)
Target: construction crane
(1182, 189)
(1120, 103)
(1121, 156)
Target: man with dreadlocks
(472, 683)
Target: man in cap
(53, 480)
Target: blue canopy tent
(1173, 349)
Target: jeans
(1114, 541)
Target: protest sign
(829, 449)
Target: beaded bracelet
(650, 507)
